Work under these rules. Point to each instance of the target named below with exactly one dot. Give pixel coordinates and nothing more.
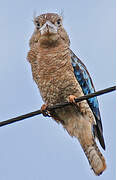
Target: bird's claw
(79, 105)
(71, 99)
(44, 110)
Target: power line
(34, 113)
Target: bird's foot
(71, 99)
(80, 105)
(44, 110)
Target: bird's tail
(82, 130)
(95, 158)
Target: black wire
(34, 113)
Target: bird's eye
(59, 22)
(38, 24)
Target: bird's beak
(48, 28)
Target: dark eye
(59, 21)
(37, 24)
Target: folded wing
(85, 81)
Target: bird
(61, 76)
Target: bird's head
(49, 30)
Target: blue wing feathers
(86, 84)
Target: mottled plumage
(60, 75)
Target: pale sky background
(38, 148)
